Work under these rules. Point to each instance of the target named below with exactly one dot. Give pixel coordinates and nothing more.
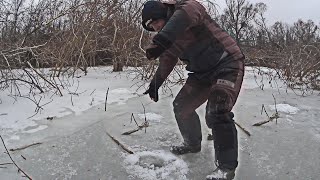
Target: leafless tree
(237, 16)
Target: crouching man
(186, 31)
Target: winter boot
(185, 148)
(221, 174)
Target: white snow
(152, 117)
(82, 94)
(218, 174)
(41, 127)
(286, 108)
(15, 137)
(261, 77)
(153, 165)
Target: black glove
(153, 93)
(154, 51)
(160, 44)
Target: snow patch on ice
(286, 108)
(41, 127)
(15, 137)
(153, 117)
(154, 165)
(120, 95)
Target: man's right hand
(153, 51)
(153, 93)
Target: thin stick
(24, 147)
(121, 145)
(92, 92)
(274, 116)
(2, 164)
(243, 129)
(19, 169)
(105, 103)
(262, 123)
(54, 86)
(145, 119)
(263, 108)
(275, 106)
(140, 40)
(132, 131)
(71, 101)
(144, 125)
(132, 117)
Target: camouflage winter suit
(216, 64)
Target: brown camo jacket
(202, 32)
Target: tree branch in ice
(120, 144)
(19, 169)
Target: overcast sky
(288, 11)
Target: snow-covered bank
(75, 145)
(18, 115)
(84, 93)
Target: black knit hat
(153, 10)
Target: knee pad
(213, 119)
(220, 101)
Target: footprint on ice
(155, 165)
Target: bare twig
(140, 40)
(22, 80)
(92, 92)
(274, 116)
(242, 128)
(71, 100)
(263, 108)
(105, 103)
(145, 124)
(38, 106)
(91, 103)
(131, 131)
(120, 144)
(40, 75)
(133, 118)
(19, 169)
(32, 81)
(24, 147)
(275, 106)
(2, 164)
(262, 122)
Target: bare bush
(65, 36)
